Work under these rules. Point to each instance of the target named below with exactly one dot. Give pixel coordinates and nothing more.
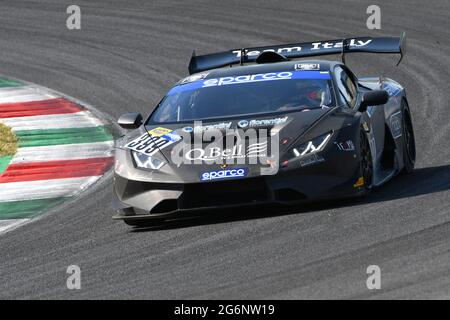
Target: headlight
(146, 162)
(313, 146)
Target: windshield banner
(251, 78)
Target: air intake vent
(166, 206)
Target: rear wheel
(409, 142)
(366, 164)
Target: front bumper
(174, 190)
(139, 199)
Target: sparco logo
(248, 78)
(223, 174)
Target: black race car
(251, 126)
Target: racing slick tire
(409, 143)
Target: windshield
(246, 94)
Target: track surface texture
(127, 54)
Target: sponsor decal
(310, 160)
(271, 76)
(338, 44)
(310, 47)
(391, 89)
(158, 132)
(307, 66)
(255, 53)
(243, 124)
(216, 126)
(238, 151)
(171, 136)
(250, 78)
(396, 124)
(165, 133)
(346, 145)
(359, 183)
(195, 77)
(230, 146)
(261, 122)
(188, 129)
(267, 122)
(224, 174)
(286, 75)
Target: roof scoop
(270, 57)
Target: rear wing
(299, 50)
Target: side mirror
(132, 120)
(373, 98)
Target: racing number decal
(148, 144)
(137, 141)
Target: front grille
(219, 193)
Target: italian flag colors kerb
(61, 150)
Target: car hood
(289, 126)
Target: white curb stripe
(83, 119)
(24, 94)
(8, 224)
(64, 152)
(44, 189)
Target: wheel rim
(366, 161)
(409, 137)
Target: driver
(308, 94)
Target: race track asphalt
(127, 54)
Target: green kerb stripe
(4, 162)
(27, 209)
(38, 138)
(9, 83)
